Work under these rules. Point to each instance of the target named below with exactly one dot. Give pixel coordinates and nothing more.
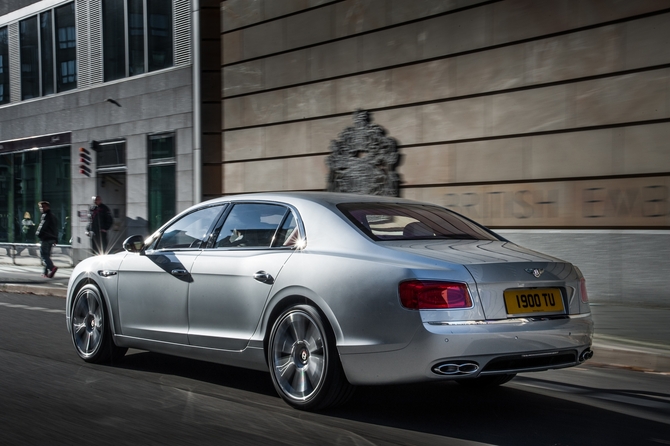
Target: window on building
(30, 61)
(48, 50)
(161, 187)
(26, 178)
(135, 37)
(4, 66)
(113, 40)
(110, 154)
(159, 38)
(66, 48)
(46, 53)
(145, 29)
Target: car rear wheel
(91, 333)
(304, 363)
(487, 381)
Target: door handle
(264, 277)
(179, 272)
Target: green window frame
(162, 191)
(28, 177)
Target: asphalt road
(49, 396)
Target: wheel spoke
(284, 366)
(297, 327)
(87, 348)
(300, 382)
(95, 338)
(87, 299)
(93, 305)
(315, 369)
(311, 335)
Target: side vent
(89, 42)
(14, 63)
(182, 32)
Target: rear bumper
(484, 347)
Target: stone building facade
(548, 121)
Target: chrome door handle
(264, 277)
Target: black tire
(304, 363)
(90, 328)
(486, 382)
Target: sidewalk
(25, 276)
(626, 336)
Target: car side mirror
(134, 243)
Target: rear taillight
(424, 295)
(582, 290)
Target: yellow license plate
(541, 300)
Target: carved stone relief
(363, 160)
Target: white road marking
(26, 307)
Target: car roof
(323, 198)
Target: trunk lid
(499, 266)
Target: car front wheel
(303, 361)
(91, 333)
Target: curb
(33, 289)
(643, 359)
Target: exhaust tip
(586, 355)
(456, 369)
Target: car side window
(288, 234)
(190, 231)
(251, 225)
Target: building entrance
(111, 187)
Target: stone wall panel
(287, 139)
(634, 97)
(244, 144)
(422, 82)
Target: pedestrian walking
(47, 232)
(101, 222)
(28, 228)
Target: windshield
(382, 221)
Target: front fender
(100, 271)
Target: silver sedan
(330, 291)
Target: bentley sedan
(330, 291)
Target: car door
(232, 279)
(153, 285)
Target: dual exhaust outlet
(586, 355)
(451, 369)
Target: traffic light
(84, 162)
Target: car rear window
(384, 221)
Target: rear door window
(254, 225)
(394, 221)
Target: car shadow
(199, 371)
(505, 415)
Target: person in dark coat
(101, 222)
(47, 232)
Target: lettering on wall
(628, 202)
